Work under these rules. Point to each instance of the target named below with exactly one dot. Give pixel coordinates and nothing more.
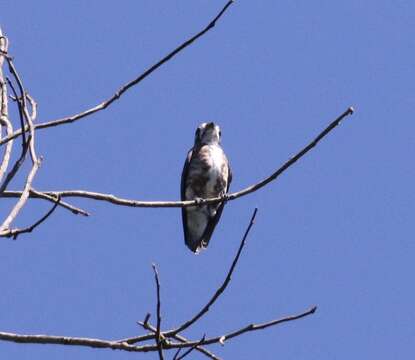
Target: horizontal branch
(179, 204)
(251, 327)
(115, 345)
(103, 105)
(66, 340)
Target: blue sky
(335, 231)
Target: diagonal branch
(221, 289)
(205, 309)
(177, 357)
(178, 204)
(103, 105)
(75, 210)
(251, 327)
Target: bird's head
(207, 134)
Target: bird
(206, 174)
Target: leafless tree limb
(159, 341)
(4, 110)
(28, 144)
(116, 345)
(13, 171)
(21, 116)
(23, 198)
(222, 288)
(147, 326)
(22, 101)
(103, 105)
(75, 210)
(52, 198)
(161, 337)
(165, 204)
(177, 357)
(251, 327)
(4, 121)
(14, 233)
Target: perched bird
(206, 174)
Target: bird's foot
(199, 201)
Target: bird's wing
(185, 173)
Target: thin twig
(179, 204)
(187, 352)
(52, 198)
(14, 233)
(198, 347)
(159, 342)
(75, 210)
(251, 327)
(103, 105)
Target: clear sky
(335, 231)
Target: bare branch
(252, 327)
(145, 324)
(75, 210)
(159, 342)
(222, 288)
(197, 347)
(103, 105)
(4, 121)
(23, 197)
(167, 204)
(23, 107)
(13, 171)
(4, 112)
(3, 89)
(20, 106)
(98, 343)
(33, 105)
(75, 341)
(14, 233)
(176, 357)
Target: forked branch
(163, 339)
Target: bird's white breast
(217, 166)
